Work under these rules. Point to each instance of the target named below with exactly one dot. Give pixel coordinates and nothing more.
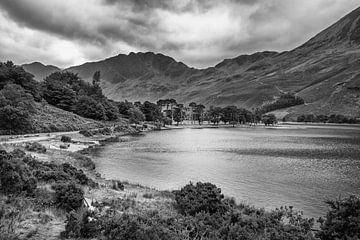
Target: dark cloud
(197, 32)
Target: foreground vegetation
(52, 193)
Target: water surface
(299, 166)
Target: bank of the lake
(135, 199)
(300, 165)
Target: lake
(296, 165)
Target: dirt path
(32, 137)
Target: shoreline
(143, 198)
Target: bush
(137, 227)
(65, 139)
(15, 176)
(35, 147)
(117, 185)
(193, 199)
(84, 161)
(82, 224)
(342, 221)
(51, 172)
(68, 196)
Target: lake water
(299, 166)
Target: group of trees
(285, 100)
(168, 110)
(67, 91)
(230, 114)
(327, 119)
(18, 93)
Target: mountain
(325, 72)
(39, 70)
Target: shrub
(68, 196)
(82, 224)
(47, 171)
(15, 176)
(117, 185)
(137, 227)
(84, 161)
(342, 221)
(148, 195)
(35, 147)
(65, 139)
(192, 199)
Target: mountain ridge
(39, 70)
(324, 71)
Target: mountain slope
(39, 70)
(325, 71)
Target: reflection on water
(268, 168)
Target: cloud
(198, 32)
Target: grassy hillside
(52, 119)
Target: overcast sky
(199, 33)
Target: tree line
(333, 118)
(19, 93)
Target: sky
(200, 33)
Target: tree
(230, 114)
(135, 115)
(12, 74)
(111, 110)
(151, 111)
(285, 100)
(96, 78)
(214, 114)
(124, 107)
(199, 111)
(90, 108)
(96, 91)
(178, 115)
(58, 91)
(16, 107)
(269, 119)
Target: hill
(39, 70)
(51, 119)
(325, 72)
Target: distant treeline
(284, 101)
(19, 93)
(327, 119)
